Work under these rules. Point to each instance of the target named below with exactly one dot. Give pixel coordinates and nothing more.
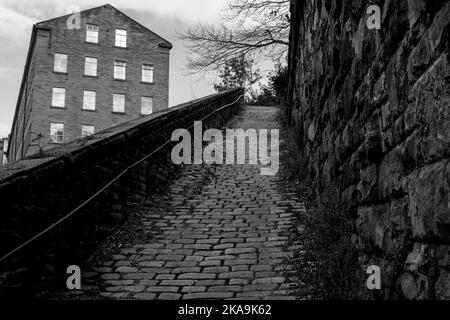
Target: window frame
(54, 62)
(152, 101)
(87, 125)
(124, 68)
(152, 68)
(53, 105)
(87, 38)
(124, 102)
(117, 41)
(96, 66)
(56, 135)
(84, 100)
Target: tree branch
(249, 27)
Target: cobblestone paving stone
(227, 242)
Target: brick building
(107, 70)
(3, 148)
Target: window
(59, 98)
(120, 70)
(146, 105)
(91, 33)
(56, 132)
(147, 73)
(60, 64)
(90, 66)
(119, 103)
(121, 38)
(89, 100)
(87, 130)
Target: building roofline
(168, 44)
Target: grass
(327, 265)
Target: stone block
(429, 192)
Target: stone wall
(372, 110)
(37, 191)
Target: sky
(165, 17)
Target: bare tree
(247, 28)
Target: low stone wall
(372, 110)
(42, 188)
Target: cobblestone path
(228, 241)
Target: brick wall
(37, 191)
(371, 108)
(1, 152)
(21, 128)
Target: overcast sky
(165, 17)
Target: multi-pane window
(60, 63)
(146, 105)
(147, 73)
(59, 98)
(119, 103)
(89, 100)
(90, 66)
(121, 38)
(87, 130)
(92, 33)
(120, 70)
(56, 132)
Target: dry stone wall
(372, 110)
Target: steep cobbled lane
(229, 241)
